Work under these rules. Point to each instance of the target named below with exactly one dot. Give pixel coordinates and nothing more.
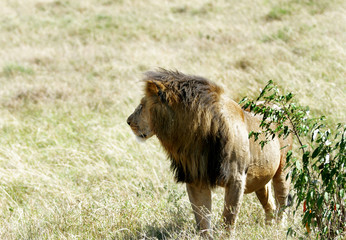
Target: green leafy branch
(319, 175)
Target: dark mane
(186, 117)
(186, 87)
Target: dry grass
(69, 76)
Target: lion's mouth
(141, 138)
(139, 135)
(142, 135)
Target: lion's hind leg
(265, 197)
(281, 189)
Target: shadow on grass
(171, 229)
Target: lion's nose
(128, 121)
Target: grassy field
(70, 75)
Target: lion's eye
(139, 108)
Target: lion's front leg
(234, 192)
(200, 198)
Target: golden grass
(70, 74)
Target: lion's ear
(156, 88)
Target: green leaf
(298, 165)
(286, 130)
(314, 135)
(289, 97)
(246, 105)
(319, 202)
(316, 151)
(244, 100)
(306, 156)
(288, 156)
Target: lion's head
(184, 112)
(139, 121)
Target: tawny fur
(190, 125)
(205, 135)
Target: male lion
(205, 135)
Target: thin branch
(294, 130)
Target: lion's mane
(186, 115)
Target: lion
(206, 137)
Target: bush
(318, 175)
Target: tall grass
(70, 75)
